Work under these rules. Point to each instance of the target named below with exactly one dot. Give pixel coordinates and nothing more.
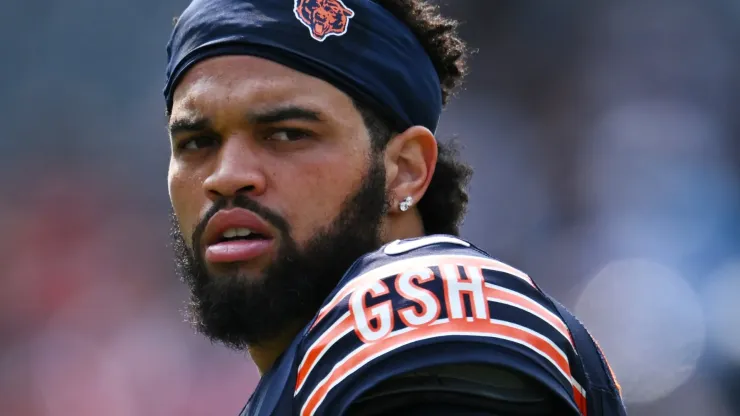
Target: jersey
(429, 302)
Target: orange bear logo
(323, 17)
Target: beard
(240, 311)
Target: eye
(196, 143)
(288, 135)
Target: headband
(356, 45)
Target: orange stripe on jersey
(398, 267)
(580, 400)
(499, 294)
(496, 329)
(317, 350)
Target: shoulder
(427, 302)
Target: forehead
(225, 82)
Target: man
(316, 215)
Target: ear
(410, 159)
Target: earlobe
(410, 159)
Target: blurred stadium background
(605, 138)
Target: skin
(293, 143)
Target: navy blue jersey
(426, 302)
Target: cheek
(317, 192)
(185, 198)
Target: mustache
(244, 202)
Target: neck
(265, 354)
(404, 225)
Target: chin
(241, 271)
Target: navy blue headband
(356, 45)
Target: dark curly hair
(445, 202)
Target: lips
(236, 235)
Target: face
(275, 193)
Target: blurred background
(605, 141)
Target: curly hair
(445, 202)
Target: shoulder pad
(432, 301)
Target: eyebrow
(276, 115)
(188, 125)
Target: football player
(316, 220)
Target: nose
(237, 171)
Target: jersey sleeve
(443, 307)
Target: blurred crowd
(605, 142)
